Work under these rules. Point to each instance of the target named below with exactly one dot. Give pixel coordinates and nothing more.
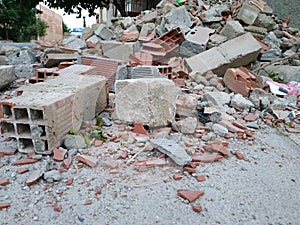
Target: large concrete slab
(151, 101)
(236, 52)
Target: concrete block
(179, 17)
(104, 32)
(7, 75)
(151, 101)
(248, 14)
(240, 51)
(211, 59)
(232, 29)
(149, 17)
(22, 57)
(24, 71)
(74, 42)
(3, 60)
(52, 59)
(118, 50)
(90, 91)
(234, 53)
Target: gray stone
(256, 30)
(272, 40)
(9, 50)
(74, 141)
(24, 71)
(118, 50)
(94, 40)
(219, 130)
(104, 32)
(172, 149)
(7, 75)
(265, 21)
(248, 14)
(74, 42)
(151, 101)
(127, 22)
(253, 125)
(189, 49)
(22, 57)
(186, 126)
(260, 99)
(52, 176)
(141, 139)
(214, 14)
(217, 98)
(179, 17)
(270, 55)
(232, 29)
(241, 102)
(72, 152)
(149, 17)
(285, 72)
(147, 29)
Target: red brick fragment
(251, 117)
(24, 162)
(4, 205)
(4, 182)
(206, 157)
(178, 176)
(229, 135)
(190, 170)
(67, 162)
(200, 178)
(22, 170)
(139, 128)
(191, 196)
(59, 154)
(88, 202)
(70, 181)
(89, 160)
(98, 143)
(217, 147)
(197, 208)
(98, 191)
(34, 177)
(57, 207)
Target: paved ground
(262, 191)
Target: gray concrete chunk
(7, 75)
(172, 149)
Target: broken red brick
(191, 196)
(197, 208)
(240, 80)
(111, 164)
(34, 177)
(229, 135)
(4, 182)
(24, 162)
(88, 202)
(230, 126)
(70, 181)
(57, 207)
(22, 170)
(88, 160)
(98, 143)
(190, 170)
(239, 156)
(251, 117)
(178, 176)
(98, 191)
(217, 147)
(67, 162)
(200, 178)
(206, 157)
(4, 205)
(59, 154)
(155, 162)
(139, 129)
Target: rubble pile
(185, 79)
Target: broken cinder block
(240, 80)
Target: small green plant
(275, 77)
(73, 131)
